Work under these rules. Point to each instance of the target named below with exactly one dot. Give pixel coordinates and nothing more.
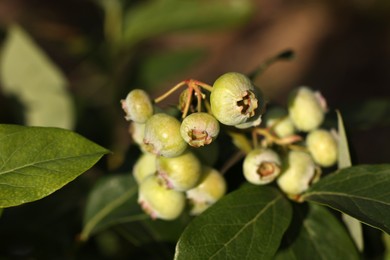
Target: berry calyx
(162, 136)
(323, 147)
(138, 106)
(158, 201)
(261, 166)
(306, 109)
(199, 129)
(235, 101)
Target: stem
(169, 92)
(204, 85)
(188, 101)
(284, 55)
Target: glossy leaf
(354, 226)
(360, 191)
(154, 18)
(246, 224)
(36, 161)
(27, 73)
(316, 234)
(112, 201)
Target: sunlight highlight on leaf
(28, 74)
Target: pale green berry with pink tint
(323, 147)
(179, 173)
(199, 129)
(137, 106)
(278, 120)
(306, 109)
(299, 174)
(158, 201)
(162, 136)
(236, 101)
(144, 167)
(212, 187)
(261, 166)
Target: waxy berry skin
(179, 173)
(144, 167)
(299, 174)
(306, 109)
(162, 136)
(323, 147)
(235, 101)
(281, 123)
(138, 106)
(158, 201)
(261, 166)
(212, 186)
(199, 129)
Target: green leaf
(344, 159)
(360, 191)
(246, 224)
(36, 161)
(316, 234)
(27, 73)
(354, 226)
(112, 201)
(154, 18)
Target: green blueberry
(299, 173)
(261, 166)
(323, 147)
(210, 189)
(158, 201)
(235, 101)
(138, 106)
(199, 129)
(306, 109)
(144, 167)
(277, 118)
(179, 173)
(162, 136)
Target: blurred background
(68, 63)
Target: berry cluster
(169, 171)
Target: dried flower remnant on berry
(199, 129)
(235, 101)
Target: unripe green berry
(158, 201)
(211, 188)
(299, 174)
(137, 132)
(306, 109)
(144, 167)
(281, 123)
(323, 147)
(179, 173)
(235, 101)
(138, 106)
(261, 166)
(199, 129)
(162, 136)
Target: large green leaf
(316, 234)
(112, 201)
(157, 17)
(360, 191)
(27, 73)
(36, 161)
(246, 224)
